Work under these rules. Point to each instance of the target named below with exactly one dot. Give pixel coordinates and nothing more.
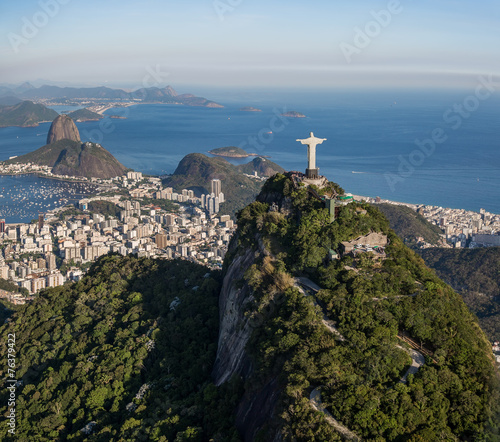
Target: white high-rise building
(211, 205)
(134, 176)
(216, 187)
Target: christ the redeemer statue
(312, 171)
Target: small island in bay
(233, 152)
(293, 114)
(117, 117)
(250, 109)
(82, 115)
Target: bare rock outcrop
(235, 328)
(257, 406)
(63, 128)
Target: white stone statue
(312, 142)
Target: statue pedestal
(312, 173)
(319, 181)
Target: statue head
(311, 134)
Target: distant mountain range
(147, 95)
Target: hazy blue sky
(250, 42)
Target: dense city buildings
(61, 245)
(460, 227)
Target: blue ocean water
(373, 134)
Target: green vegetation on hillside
(262, 166)
(85, 115)
(25, 114)
(167, 205)
(409, 225)
(129, 348)
(67, 157)
(475, 274)
(197, 170)
(229, 151)
(106, 208)
(371, 300)
(9, 286)
(6, 308)
(49, 154)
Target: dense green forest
(128, 349)
(167, 205)
(371, 300)
(106, 208)
(6, 308)
(9, 286)
(475, 274)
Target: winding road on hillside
(315, 399)
(309, 288)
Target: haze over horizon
(242, 43)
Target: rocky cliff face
(257, 406)
(235, 329)
(63, 128)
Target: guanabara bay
(321, 326)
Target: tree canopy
(130, 347)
